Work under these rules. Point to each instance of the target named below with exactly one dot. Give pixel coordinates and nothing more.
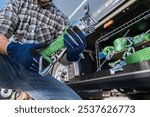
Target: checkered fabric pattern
(27, 22)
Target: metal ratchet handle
(46, 70)
(130, 42)
(43, 71)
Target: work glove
(75, 42)
(26, 54)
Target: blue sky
(59, 3)
(2, 3)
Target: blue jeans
(15, 76)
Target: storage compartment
(123, 41)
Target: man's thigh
(46, 87)
(9, 72)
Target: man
(25, 27)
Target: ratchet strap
(147, 37)
(122, 43)
(118, 67)
(138, 39)
(106, 51)
(138, 56)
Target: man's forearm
(3, 44)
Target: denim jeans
(15, 76)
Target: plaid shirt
(25, 21)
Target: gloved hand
(75, 42)
(25, 54)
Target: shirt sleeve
(9, 18)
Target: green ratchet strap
(122, 43)
(107, 50)
(138, 56)
(147, 37)
(49, 52)
(138, 39)
(53, 47)
(113, 64)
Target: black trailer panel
(134, 76)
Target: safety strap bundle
(123, 43)
(138, 56)
(129, 56)
(140, 38)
